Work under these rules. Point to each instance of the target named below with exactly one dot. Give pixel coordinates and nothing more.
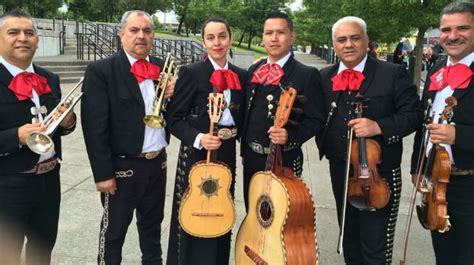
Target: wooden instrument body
(367, 190)
(207, 208)
(433, 213)
(289, 235)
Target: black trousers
(183, 248)
(368, 235)
(141, 186)
(254, 162)
(456, 246)
(29, 207)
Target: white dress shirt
(155, 139)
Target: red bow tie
(347, 79)
(23, 83)
(457, 76)
(225, 79)
(143, 69)
(268, 74)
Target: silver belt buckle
(152, 155)
(257, 148)
(225, 133)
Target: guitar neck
(212, 154)
(274, 157)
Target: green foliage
(39, 8)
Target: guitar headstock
(216, 105)
(287, 99)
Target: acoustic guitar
(280, 226)
(207, 208)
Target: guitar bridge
(208, 214)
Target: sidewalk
(81, 211)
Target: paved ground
(81, 210)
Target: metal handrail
(101, 40)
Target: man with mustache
(127, 157)
(29, 182)
(453, 77)
(391, 111)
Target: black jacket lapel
(130, 80)
(369, 73)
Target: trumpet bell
(40, 143)
(154, 121)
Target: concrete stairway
(69, 69)
(311, 60)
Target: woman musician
(188, 120)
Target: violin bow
(346, 184)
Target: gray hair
(18, 13)
(458, 7)
(125, 16)
(350, 19)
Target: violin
(367, 191)
(432, 177)
(433, 210)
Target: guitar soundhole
(265, 211)
(209, 186)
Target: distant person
(398, 54)
(373, 50)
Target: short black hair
(458, 7)
(18, 13)
(218, 20)
(279, 14)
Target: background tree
(387, 21)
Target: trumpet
(170, 70)
(41, 142)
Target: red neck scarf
(143, 69)
(23, 83)
(268, 74)
(225, 79)
(457, 76)
(347, 79)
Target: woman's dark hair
(218, 20)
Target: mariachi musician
(30, 191)
(267, 78)
(127, 156)
(453, 77)
(188, 120)
(392, 111)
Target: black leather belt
(461, 172)
(43, 167)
